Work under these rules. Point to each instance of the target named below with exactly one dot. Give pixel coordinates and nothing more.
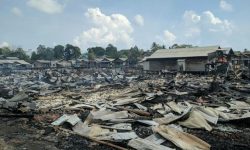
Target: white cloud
(211, 18)
(169, 37)
(46, 6)
(204, 22)
(16, 11)
(225, 6)
(139, 20)
(114, 29)
(4, 44)
(191, 17)
(216, 24)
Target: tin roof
(183, 52)
(22, 62)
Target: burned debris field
(70, 110)
(124, 75)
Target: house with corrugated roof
(181, 59)
(104, 62)
(120, 62)
(14, 63)
(80, 63)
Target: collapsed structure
(71, 109)
(82, 63)
(58, 106)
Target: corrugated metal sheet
(183, 52)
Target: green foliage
(41, 51)
(134, 54)
(45, 53)
(98, 51)
(123, 53)
(5, 51)
(58, 52)
(77, 52)
(50, 53)
(19, 53)
(71, 52)
(246, 50)
(111, 51)
(156, 46)
(181, 46)
(91, 56)
(34, 56)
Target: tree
(71, 52)
(111, 51)
(134, 55)
(98, 51)
(20, 53)
(44, 53)
(49, 54)
(156, 46)
(245, 50)
(123, 53)
(34, 56)
(91, 56)
(41, 51)
(181, 46)
(5, 51)
(58, 51)
(77, 52)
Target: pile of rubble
(184, 112)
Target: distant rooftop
(46, 61)
(12, 58)
(185, 52)
(21, 62)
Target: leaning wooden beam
(93, 139)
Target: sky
(124, 23)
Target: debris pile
(183, 112)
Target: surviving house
(181, 59)
(80, 63)
(119, 62)
(14, 64)
(105, 62)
